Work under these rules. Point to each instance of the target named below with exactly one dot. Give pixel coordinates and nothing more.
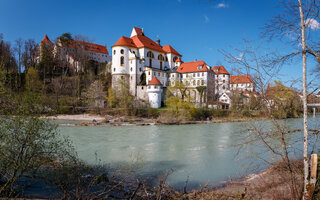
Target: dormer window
(199, 67)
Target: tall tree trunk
(305, 109)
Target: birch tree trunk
(305, 110)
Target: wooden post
(314, 166)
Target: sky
(197, 29)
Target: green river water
(202, 152)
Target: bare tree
(297, 22)
(29, 54)
(18, 50)
(273, 137)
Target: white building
(154, 90)
(242, 83)
(138, 59)
(222, 78)
(76, 50)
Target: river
(202, 152)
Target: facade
(76, 51)
(154, 90)
(242, 83)
(222, 80)
(149, 68)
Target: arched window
(121, 60)
(166, 58)
(150, 54)
(122, 51)
(175, 58)
(114, 52)
(160, 57)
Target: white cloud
(222, 5)
(206, 19)
(313, 24)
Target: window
(202, 82)
(223, 87)
(155, 87)
(193, 74)
(148, 73)
(150, 62)
(175, 58)
(202, 74)
(194, 82)
(114, 52)
(150, 54)
(122, 77)
(134, 52)
(224, 75)
(166, 58)
(199, 67)
(114, 69)
(140, 69)
(198, 74)
(131, 69)
(198, 82)
(160, 57)
(161, 65)
(158, 73)
(122, 51)
(224, 81)
(121, 60)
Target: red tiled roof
(179, 60)
(140, 40)
(46, 39)
(170, 49)
(193, 67)
(125, 41)
(143, 41)
(89, 46)
(241, 79)
(139, 31)
(154, 81)
(220, 70)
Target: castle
(149, 68)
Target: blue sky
(197, 29)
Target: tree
(29, 54)
(273, 137)
(298, 18)
(33, 82)
(201, 90)
(27, 144)
(19, 52)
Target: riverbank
(271, 183)
(108, 120)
